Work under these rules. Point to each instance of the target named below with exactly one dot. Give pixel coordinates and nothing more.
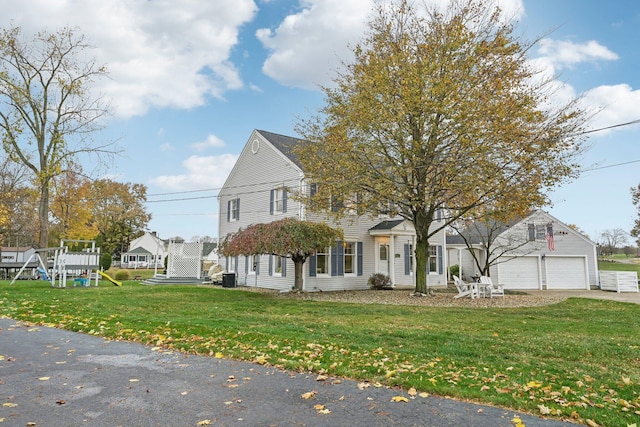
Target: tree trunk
(422, 263)
(298, 264)
(43, 216)
(422, 223)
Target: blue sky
(190, 80)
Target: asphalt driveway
(51, 377)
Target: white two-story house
(258, 190)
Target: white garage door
(566, 273)
(519, 273)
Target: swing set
(83, 266)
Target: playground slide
(106, 276)
(43, 274)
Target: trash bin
(229, 280)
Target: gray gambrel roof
(285, 144)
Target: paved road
(51, 378)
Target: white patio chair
(464, 289)
(497, 290)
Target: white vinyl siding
(260, 169)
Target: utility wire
(633, 122)
(295, 180)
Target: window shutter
(283, 262)
(340, 248)
(359, 249)
(270, 265)
(313, 264)
(440, 260)
(256, 259)
(228, 210)
(236, 268)
(532, 232)
(284, 200)
(407, 259)
(226, 263)
(271, 199)
(334, 260)
(246, 264)
(238, 206)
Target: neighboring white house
(258, 191)
(210, 252)
(146, 251)
(552, 255)
(16, 254)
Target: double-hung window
(277, 266)
(232, 264)
(350, 257)
(233, 210)
(322, 261)
(433, 260)
(252, 264)
(278, 201)
(536, 232)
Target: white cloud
(159, 54)
(202, 172)
(309, 45)
(610, 105)
(617, 104)
(211, 141)
(566, 53)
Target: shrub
(379, 281)
(122, 275)
(454, 270)
(105, 261)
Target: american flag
(549, 237)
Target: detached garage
(548, 272)
(549, 255)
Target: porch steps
(162, 279)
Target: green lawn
(619, 266)
(576, 360)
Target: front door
(383, 258)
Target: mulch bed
(406, 297)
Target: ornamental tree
(288, 237)
(439, 113)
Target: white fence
(619, 281)
(185, 260)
